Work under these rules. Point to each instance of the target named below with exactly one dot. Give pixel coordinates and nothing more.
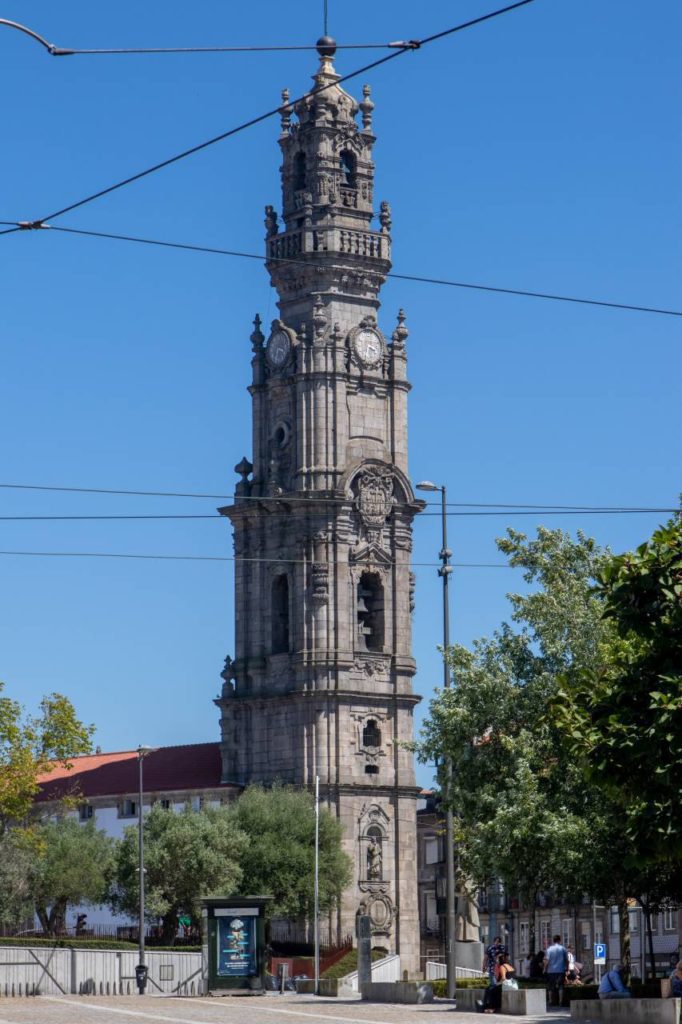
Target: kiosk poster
(237, 947)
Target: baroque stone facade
(321, 682)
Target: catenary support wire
(406, 48)
(415, 278)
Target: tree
(187, 855)
(523, 810)
(31, 746)
(15, 889)
(279, 861)
(71, 864)
(621, 716)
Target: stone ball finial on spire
(326, 46)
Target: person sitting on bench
(612, 987)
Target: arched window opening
(370, 613)
(280, 614)
(374, 855)
(371, 734)
(371, 769)
(348, 166)
(299, 172)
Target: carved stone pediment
(370, 554)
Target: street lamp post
(450, 921)
(141, 969)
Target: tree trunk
(169, 927)
(646, 908)
(41, 913)
(624, 919)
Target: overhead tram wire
(525, 506)
(322, 501)
(227, 558)
(409, 47)
(443, 282)
(66, 51)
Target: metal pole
(317, 886)
(140, 758)
(450, 918)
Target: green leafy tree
(187, 855)
(16, 863)
(524, 812)
(621, 717)
(31, 746)
(71, 864)
(279, 862)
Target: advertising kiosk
(233, 944)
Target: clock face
(368, 346)
(279, 348)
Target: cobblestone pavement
(287, 1009)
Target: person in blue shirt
(612, 987)
(556, 965)
(676, 982)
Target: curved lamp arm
(54, 51)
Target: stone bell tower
(321, 682)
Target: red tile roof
(167, 769)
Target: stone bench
(624, 1011)
(515, 1002)
(397, 992)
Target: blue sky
(537, 151)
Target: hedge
(66, 943)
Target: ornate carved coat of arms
(375, 499)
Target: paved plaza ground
(271, 1009)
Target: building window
(197, 803)
(280, 614)
(431, 912)
(84, 812)
(371, 769)
(669, 918)
(299, 172)
(348, 166)
(524, 937)
(431, 853)
(128, 809)
(370, 612)
(585, 936)
(634, 920)
(614, 921)
(545, 932)
(566, 930)
(166, 805)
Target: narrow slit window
(280, 614)
(299, 172)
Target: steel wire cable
(525, 506)
(467, 285)
(407, 48)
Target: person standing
(676, 982)
(612, 987)
(556, 965)
(491, 954)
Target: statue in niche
(374, 860)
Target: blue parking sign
(600, 953)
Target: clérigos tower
(321, 682)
